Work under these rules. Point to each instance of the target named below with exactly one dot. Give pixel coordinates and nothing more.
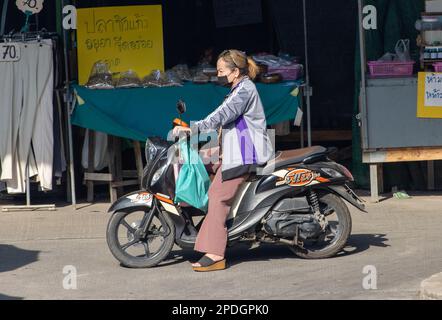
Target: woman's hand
(178, 129)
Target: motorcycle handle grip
(179, 122)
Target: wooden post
(430, 176)
(118, 165)
(138, 160)
(374, 183)
(111, 156)
(90, 164)
(380, 178)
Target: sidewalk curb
(431, 288)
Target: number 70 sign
(9, 52)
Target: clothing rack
(69, 100)
(23, 37)
(28, 36)
(28, 206)
(3, 17)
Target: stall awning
(139, 113)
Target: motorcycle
(296, 201)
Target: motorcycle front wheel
(131, 246)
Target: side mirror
(181, 107)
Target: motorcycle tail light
(346, 172)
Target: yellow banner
(129, 37)
(429, 95)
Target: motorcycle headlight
(156, 176)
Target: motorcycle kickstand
(295, 243)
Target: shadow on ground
(12, 258)
(5, 297)
(357, 243)
(361, 242)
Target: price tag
(33, 6)
(9, 52)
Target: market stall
(129, 38)
(145, 112)
(395, 103)
(119, 94)
(139, 113)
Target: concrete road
(392, 249)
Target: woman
(245, 146)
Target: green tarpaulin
(139, 113)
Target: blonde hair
(238, 59)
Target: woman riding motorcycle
(245, 146)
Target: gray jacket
(245, 142)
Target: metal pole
(28, 184)
(68, 100)
(71, 157)
(363, 95)
(3, 21)
(307, 78)
(302, 121)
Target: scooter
(297, 200)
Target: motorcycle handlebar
(187, 133)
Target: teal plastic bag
(193, 181)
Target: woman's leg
(212, 237)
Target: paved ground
(400, 238)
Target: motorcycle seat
(288, 157)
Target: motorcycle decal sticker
(280, 173)
(301, 177)
(141, 198)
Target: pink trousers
(212, 237)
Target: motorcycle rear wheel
(120, 227)
(336, 206)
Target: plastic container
(292, 72)
(432, 29)
(391, 68)
(437, 67)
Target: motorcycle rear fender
(133, 200)
(352, 199)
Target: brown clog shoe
(208, 264)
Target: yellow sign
(129, 37)
(429, 95)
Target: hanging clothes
(26, 93)
(101, 160)
(43, 133)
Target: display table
(394, 133)
(143, 112)
(139, 113)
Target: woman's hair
(238, 59)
